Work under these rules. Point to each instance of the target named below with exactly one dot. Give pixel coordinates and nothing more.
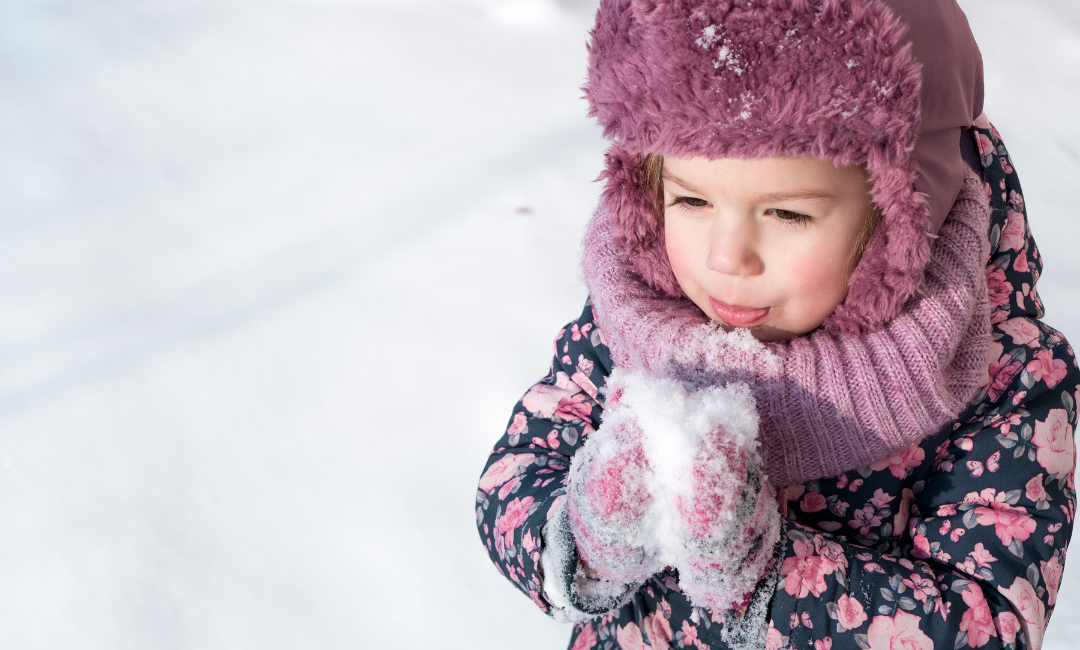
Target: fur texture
(832, 79)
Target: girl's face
(764, 244)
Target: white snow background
(273, 274)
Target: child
(810, 403)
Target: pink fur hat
(890, 84)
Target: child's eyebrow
(796, 195)
(668, 176)
(792, 195)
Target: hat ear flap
(639, 228)
(892, 266)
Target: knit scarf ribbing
(829, 403)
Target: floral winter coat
(956, 542)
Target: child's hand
(609, 498)
(728, 523)
(673, 478)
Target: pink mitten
(728, 522)
(608, 497)
(716, 517)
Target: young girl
(810, 403)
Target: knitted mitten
(728, 522)
(608, 498)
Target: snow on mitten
(728, 520)
(717, 516)
(609, 496)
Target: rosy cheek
(822, 282)
(681, 256)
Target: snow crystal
(709, 36)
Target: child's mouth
(736, 316)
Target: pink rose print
(1020, 265)
(1044, 367)
(528, 542)
(986, 148)
(586, 384)
(849, 612)
(773, 639)
(1008, 625)
(865, 519)
(897, 633)
(1034, 489)
(1009, 522)
(982, 556)
(977, 621)
(832, 555)
(1032, 611)
(823, 644)
(1000, 288)
(1051, 573)
(1053, 437)
(813, 502)
(899, 462)
(519, 425)
(574, 407)
(510, 486)
(629, 637)
(658, 629)
(556, 507)
(803, 574)
(881, 498)
(586, 640)
(517, 511)
(922, 547)
(903, 512)
(1016, 200)
(922, 588)
(544, 399)
(1002, 371)
(1023, 331)
(986, 497)
(503, 470)
(689, 634)
(1012, 236)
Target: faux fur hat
(889, 84)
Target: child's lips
(737, 316)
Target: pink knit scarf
(829, 403)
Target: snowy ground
(272, 274)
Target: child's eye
(688, 201)
(789, 216)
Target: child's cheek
(821, 280)
(686, 260)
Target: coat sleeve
(523, 483)
(981, 542)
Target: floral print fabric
(958, 541)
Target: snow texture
(679, 427)
(272, 275)
(673, 478)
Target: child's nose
(733, 251)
